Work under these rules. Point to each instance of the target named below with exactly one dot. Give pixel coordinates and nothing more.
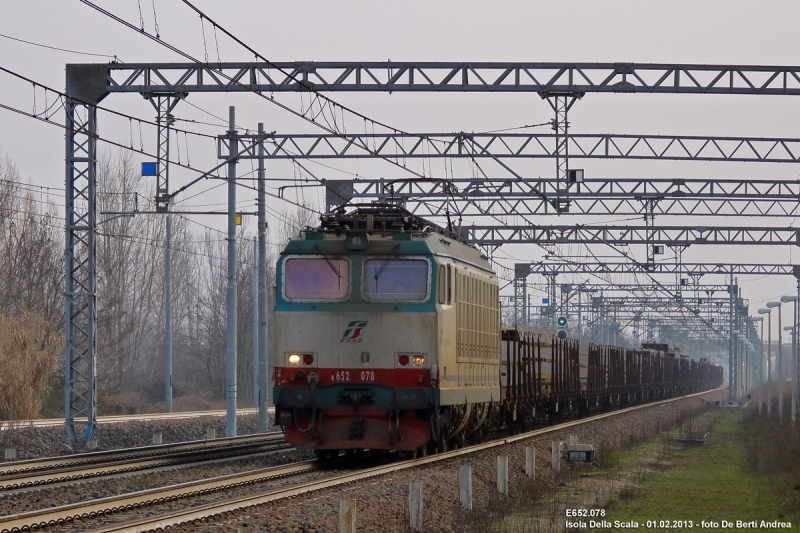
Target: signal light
(562, 334)
(294, 359)
(403, 360)
(562, 321)
(308, 359)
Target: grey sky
(723, 32)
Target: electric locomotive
(387, 334)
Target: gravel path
(382, 503)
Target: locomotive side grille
(357, 397)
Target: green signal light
(562, 321)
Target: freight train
(389, 336)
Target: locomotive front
(355, 337)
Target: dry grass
(28, 354)
(623, 463)
(771, 444)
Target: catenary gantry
(560, 83)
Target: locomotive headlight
(294, 359)
(418, 360)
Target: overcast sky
(721, 32)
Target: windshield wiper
(383, 266)
(330, 264)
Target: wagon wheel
(322, 455)
(443, 445)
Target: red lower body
(343, 428)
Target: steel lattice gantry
(671, 288)
(81, 272)
(596, 267)
(628, 235)
(88, 84)
(389, 76)
(503, 146)
(614, 196)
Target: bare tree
(130, 289)
(31, 293)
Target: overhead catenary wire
(302, 115)
(205, 174)
(270, 99)
(115, 57)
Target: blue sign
(150, 169)
(545, 301)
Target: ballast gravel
(382, 502)
(32, 442)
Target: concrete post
(580, 315)
(731, 392)
(761, 371)
(211, 433)
(797, 341)
(502, 474)
(769, 363)
(263, 335)
(530, 462)
(555, 458)
(780, 364)
(157, 437)
(256, 387)
(347, 516)
(168, 318)
(465, 486)
(231, 350)
(415, 505)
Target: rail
(113, 419)
(25, 473)
(64, 514)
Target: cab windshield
(396, 280)
(316, 279)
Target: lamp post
(742, 369)
(739, 378)
(780, 357)
(768, 311)
(790, 329)
(793, 328)
(733, 367)
(796, 356)
(760, 363)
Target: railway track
(51, 470)
(107, 506)
(112, 419)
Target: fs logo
(353, 330)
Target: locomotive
(388, 336)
